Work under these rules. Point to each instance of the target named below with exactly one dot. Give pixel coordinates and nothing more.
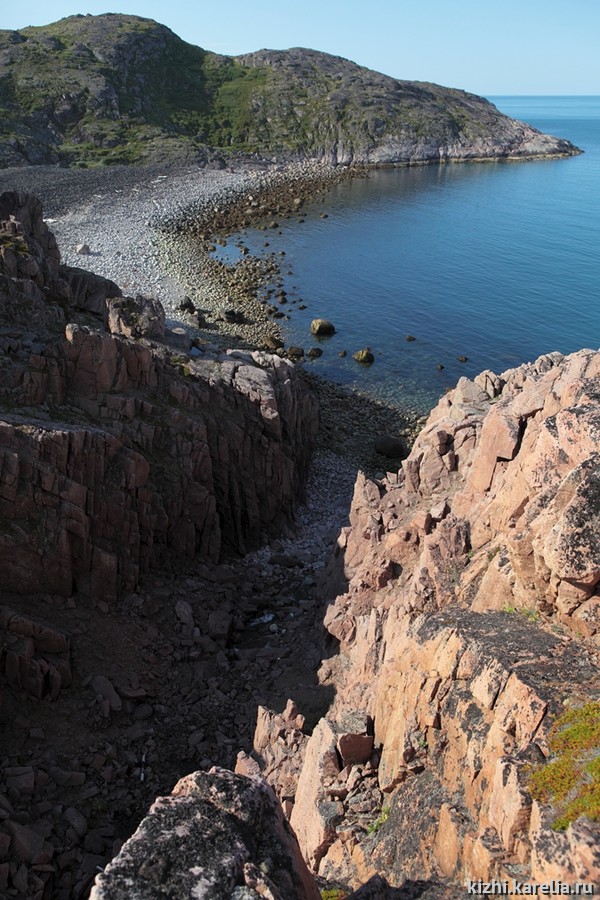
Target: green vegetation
(100, 90)
(333, 894)
(117, 87)
(379, 821)
(571, 781)
(14, 242)
(532, 615)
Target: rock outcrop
(119, 451)
(87, 89)
(462, 600)
(218, 836)
(466, 626)
(467, 623)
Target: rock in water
(365, 356)
(322, 327)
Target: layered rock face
(467, 617)
(119, 451)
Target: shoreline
(350, 421)
(150, 230)
(186, 244)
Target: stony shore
(151, 231)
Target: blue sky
(487, 47)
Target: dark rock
(272, 342)
(135, 317)
(187, 306)
(389, 446)
(322, 327)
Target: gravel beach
(150, 230)
(115, 212)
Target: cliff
(468, 630)
(462, 741)
(91, 90)
(122, 448)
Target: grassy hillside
(91, 90)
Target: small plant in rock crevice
(379, 821)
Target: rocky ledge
(464, 627)
(123, 446)
(467, 620)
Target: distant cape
(91, 90)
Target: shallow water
(495, 261)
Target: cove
(495, 262)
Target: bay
(497, 262)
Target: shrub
(571, 781)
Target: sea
(495, 262)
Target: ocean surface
(498, 262)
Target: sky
(485, 47)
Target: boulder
(365, 356)
(135, 317)
(322, 327)
(218, 835)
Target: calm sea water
(498, 262)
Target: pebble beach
(151, 230)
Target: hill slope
(118, 89)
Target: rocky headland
(162, 581)
(107, 89)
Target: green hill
(91, 90)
